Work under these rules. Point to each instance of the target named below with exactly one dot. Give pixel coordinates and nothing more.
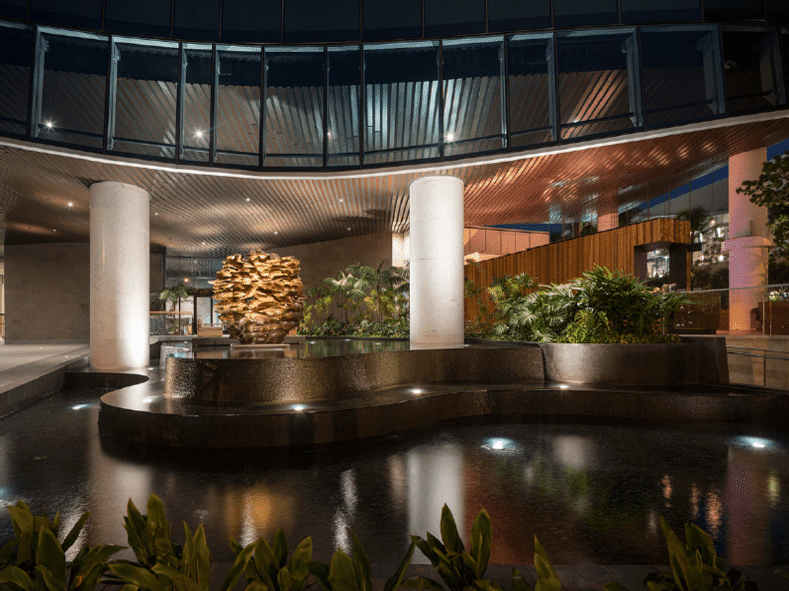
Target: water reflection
(593, 493)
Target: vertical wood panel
(564, 261)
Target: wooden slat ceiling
(208, 214)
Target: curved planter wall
(262, 381)
(654, 364)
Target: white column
(119, 276)
(400, 249)
(436, 276)
(749, 239)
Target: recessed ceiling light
(53, 229)
(247, 198)
(49, 124)
(203, 243)
(341, 200)
(349, 229)
(199, 133)
(154, 213)
(71, 204)
(450, 137)
(276, 231)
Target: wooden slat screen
(561, 262)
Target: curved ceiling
(203, 212)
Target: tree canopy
(771, 190)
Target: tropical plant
(163, 565)
(771, 190)
(171, 294)
(352, 573)
(695, 566)
(34, 560)
(269, 569)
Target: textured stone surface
(261, 381)
(620, 364)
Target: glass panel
(598, 82)
(532, 89)
(237, 123)
(13, 8)
(660, 11)
(684, 84)
(752, 67)
(70, 13)
(16, 52)
(143, 120)
(141, 17)
(474, 96)
(578, 13)
(196, 19)
(401, 102)
(71, 78)
(342, 137)
(310, 21)
(294, 107)
(454, 17)
(392, 19)
(508, 15)
(252, 20)
(733, 10)
(196, 105)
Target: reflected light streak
(714, 514)
(774, 489)
(695, 498)
(666, 482)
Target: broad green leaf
(546, 576)
(51, 582)
(188, 551)
(361, 564)
(72, 535)
(17, 576)
(135, 575)
(471, 564)
(422, 583)
(256, 586)
(393, 582)
(22, 521)
(487, 585)
(518, 582)
(237, 568)
(235, 546)
(280, 548)
(284, 580)
(449, 531)
(299, 562)
(265, 562)
(157, 519)
(50, 556)
(128, 587)
(178, 579)
(320, 570)
(342, 576)
(481, 540)
(202, 559)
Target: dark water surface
(591, 493)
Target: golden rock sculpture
(260, 296)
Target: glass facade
(16, 50)
(375, 104)
(682, 74)
(142, 106)
(69, 83)
(401, 102)
(143, 17)
(599, 91)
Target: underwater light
(298, 407)
(499, 444)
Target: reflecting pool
(592, 493)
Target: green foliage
(36, 561)
(771, 190)
(369, 302)
(695, 566)
(163, 565)
(352, 573)
(600, 307)
(170, 294)
(457, 567)
(269, 568)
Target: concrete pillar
(436, 280)
(749, 239)
(119, 276)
